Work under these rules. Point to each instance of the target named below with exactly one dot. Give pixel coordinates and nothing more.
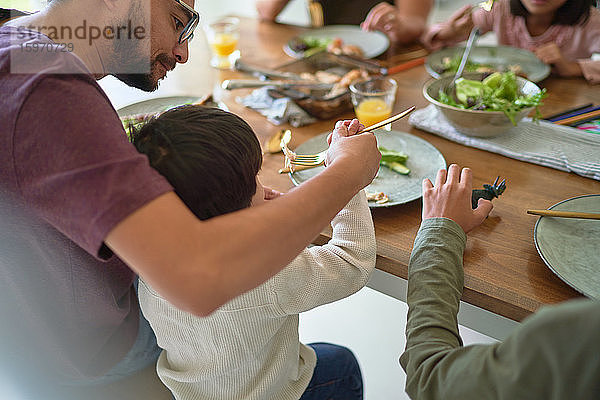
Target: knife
(324, 57)
(231, 84)
(369, 65)
(260, 72)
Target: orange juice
(224, 44)
(372, 111)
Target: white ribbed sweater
(249, 348)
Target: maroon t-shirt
(68, 175)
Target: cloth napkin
(555, 146)
(278, 111)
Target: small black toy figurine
(488, 192)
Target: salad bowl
(481, 122)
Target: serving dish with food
(484, 105)
(318, 85)
(488, 59)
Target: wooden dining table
(505, 278)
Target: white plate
(424, 161)
(372, 43)
(569, 246)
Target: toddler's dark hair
(572, 12)
(211, 157)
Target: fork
(314, 160)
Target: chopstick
(566, 113)
(564, 214)
(387, 121)
(579, 118)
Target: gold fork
(486, 5)
(314, 160)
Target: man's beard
(131, 60)
(148, 82)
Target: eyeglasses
(188, 30)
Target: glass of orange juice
(373, 100)
(223, 36)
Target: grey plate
(372, 43)
(424, 161)
(569, 246)
(159, 104)
(497, 56)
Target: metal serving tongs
(451, 88)
(231, 84)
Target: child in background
(562, 33)
(250, 347)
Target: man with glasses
(82, 212)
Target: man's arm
(268, 10)
(200, 265)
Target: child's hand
(551, 54)
(451, 198)
(456, 29)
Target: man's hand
(551, 54)
(356, 154)
(451, 198)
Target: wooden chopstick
(564, 214)
(387, 121)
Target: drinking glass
(223, 36)
(373, 100)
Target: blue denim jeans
(337, 374)
(143, 352)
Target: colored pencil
(579, 118)
(569, 111)
(576, 113)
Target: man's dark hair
(572, 12)
(211, 157)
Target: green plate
(496, 56)
(424, 161)
(372, 43)
(569, 246)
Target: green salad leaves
(497, 92)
